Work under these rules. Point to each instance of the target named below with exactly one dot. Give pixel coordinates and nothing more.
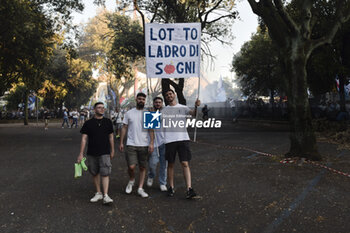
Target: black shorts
(181, 147)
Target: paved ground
(240, 191)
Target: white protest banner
(173, 50)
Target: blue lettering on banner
(151, 34)
(175, 49)
(192, 50)
(160, 70)
(188, 67)
(159, 52)
(170, 31)
(167, 51)
(194, 33)
(179, 69)
(182, 50)
(162, 34)
(150, 51)
(186, 32)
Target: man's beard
(98, 114)
(140, 105)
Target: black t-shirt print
(98, 131)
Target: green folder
(78, 170)
(79, 167)
(83, 165)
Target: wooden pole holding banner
(149, 102)
(148, 97)
(195, 126)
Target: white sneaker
(107, 199)
(142, 192)
(149, 182)
(128, 189)
(97, 197)
(163, 188)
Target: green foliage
(258, 68)
(328, 61)
(68, 81)
(95, 41)
(16, 96)
(127, 47)
(322, 69)
(26, 37)
(25, 42)
(80, 85)
(215, 16)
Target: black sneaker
(171, 191)
(190, 193)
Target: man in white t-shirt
(118, 115)
(75, 116)
(139, 144)
(177, 140)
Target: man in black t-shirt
(98, 132)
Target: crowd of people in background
(75, 118)
(257, 108)
(250, 108)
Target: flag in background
(346, 87)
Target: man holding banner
(173, 51)
(177, 140)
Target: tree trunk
(302, 137)
(272, 103)
(177, 87)
(165, 86)
(26, 98)
(179, 91)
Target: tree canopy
(299, 27)
(258, 67)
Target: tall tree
(294, 35)
(26, 39)
(80, 85)
(68, 80)
(258, 68)
(103, 45)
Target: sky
(242, 31)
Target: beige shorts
(137, 155)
